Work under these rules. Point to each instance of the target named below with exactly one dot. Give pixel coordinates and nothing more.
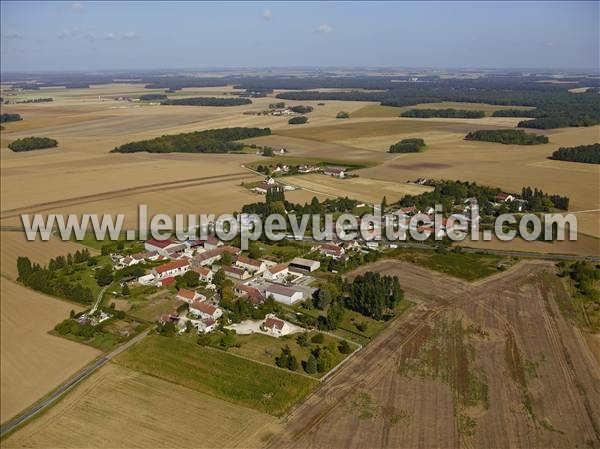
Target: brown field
(392, 111)
(34, 362)
(488, 364)
(361, 189)
(118, 407)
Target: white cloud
(129, 35)
(13, 35)
(324, 29)
(549, 44)
(267, 14)
(68, 33)
(110, 36)
(76, 7)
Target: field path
(192, 182)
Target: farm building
(235, 272)
(305, 264)
(189, 296)
(284, 295)
(338, 172)
(162, 247)
(278, 271)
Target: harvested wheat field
(361, 189)
(34, 362)
(14, 245)
(487, 364)
(118, 407)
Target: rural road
(68, 385)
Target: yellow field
(377, 110)
(118, 407)
(362, 189)
(34, 362)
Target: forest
(374, 295)
(206, 101)
(32, 143)
(507, 137)
(443, 113)
(589, 154)
(408, 146)
(210, 141)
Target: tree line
(443, 113)
(207, 101)
(589, 154)
(211, 141)
(10, 118)
(507, 137)
(32, 143)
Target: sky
(55, 36)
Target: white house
(332, 250)
(204, 326)
(284, 295)
(338, 172)
(205, 310)
(235, 272)
(204, 274)
(278, 271)
(171, 269)
(189, 296)
(274, 326)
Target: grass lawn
(90, 240)
(283, 253)
(264, 348)
(152, 307)
(467, 266)
(217, 373)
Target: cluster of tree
(408, 146)
(301, 109)
(10, 118)
(72, 327)
(590, 154)
(585, 276)
(374, 295)
(301, 120)
(206, 101)
(342, 114)
(287, 360)
(50, 280)
(515, 113)
(34, 100)
(211, 141)
(152, 97)
(320, 360)
(507, 137)
(538, 201)
(32, 143)
(443, 113)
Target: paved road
(68, 385)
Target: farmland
(465, 361)
(34, 362)
(96, 413)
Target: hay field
(118, 407)
(362, 189)
(34, 362)
(377, 110)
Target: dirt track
(485, 365)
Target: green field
(467, 266)
(217, 373)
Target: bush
(408, 146)
(318, 338)
(32, 143)
(342, 114)
(297, 120)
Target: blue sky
(152, 35)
